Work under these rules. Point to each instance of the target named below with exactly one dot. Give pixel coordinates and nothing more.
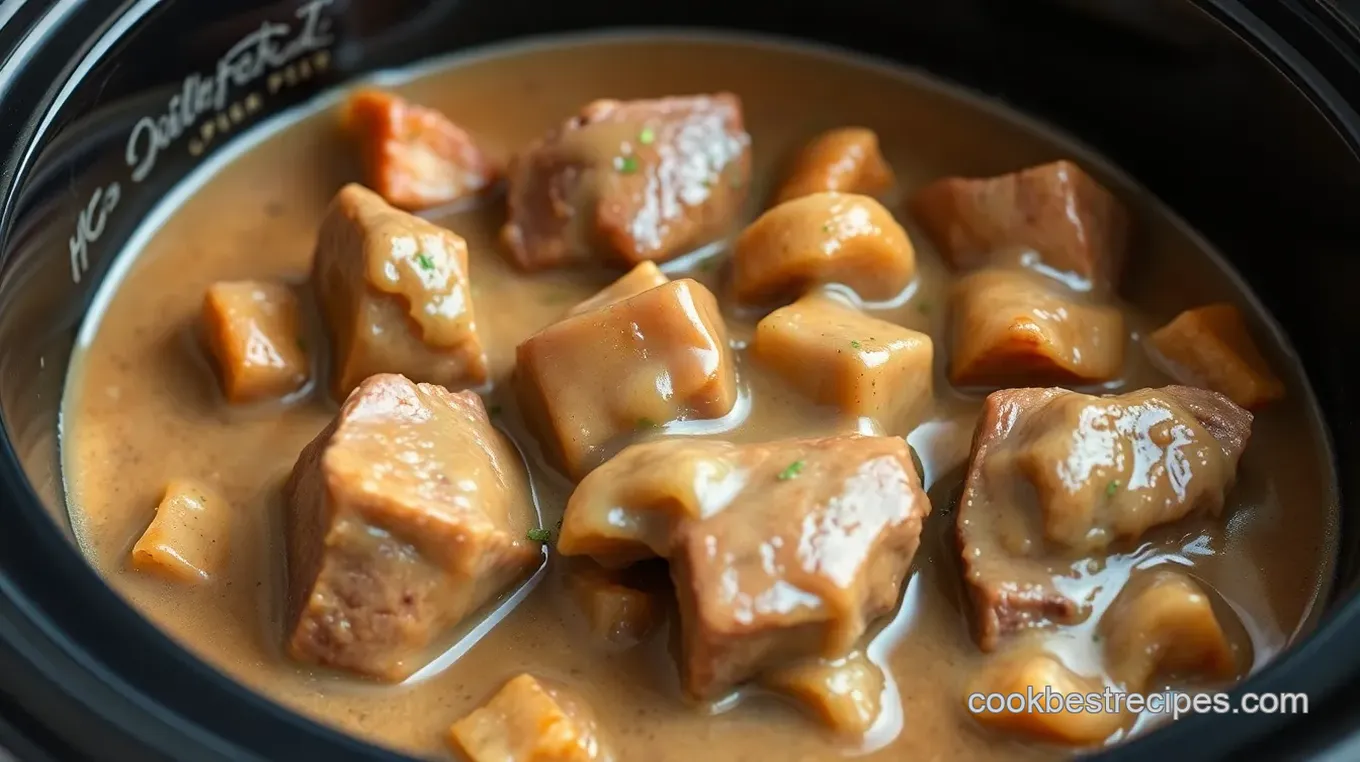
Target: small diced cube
(1029, 672)
(188, 540)
(1056, 211)
(846, 160)
(644, 277)
(530, 721)
(404, 516)
(1210, 347)
(846, 694)
(413, 156)
(393, 291)
(842, 357)
(618, 613)
(822, 238)
(1016, 329)
(658, 357)
(1163, 622)
(253, 331)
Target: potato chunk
(617, 613)
(845, 160)
(657, 357)
(627, 181)
(1210, 347)
(529, 720)
(1055, 211)
(189, 538)
(845, 693)
(1163, 622)
(644, 277)
(393, 290)
(413, 156)
(1028, 672)
(841, 357)
(822, 238)
(1011, 328)
(405, 515)
(253, 332)
(1056, 476)
(779, 551)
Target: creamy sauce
(143, 408)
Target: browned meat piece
(779, 551)
(1055, 211)
(406, 514)
(627, 181)
(530, 720)
(1012, 328)
(414, 156)
(1211, 347)
(1163, 622)
(822, 238)
(253, 331)
(1056, 475)
(644, 277)
(845, 694)
(393, 290)
(842, 357)
(587, 380)
(845, 159)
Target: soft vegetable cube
(254, 334)
(644, 277)
(841, 357)
(189, 538)
(1210, 347)
(846, 160)
(530, 721)
(1163, 622)
(845, 693)
(1028, 672)
(618, 613)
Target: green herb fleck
(854, 344)
(1112, 488)
(826, 228)
(539, 535)
(424, 261)
(626, 165)
(791, 470)
(647, 136)
(647, 423)
(923, 308)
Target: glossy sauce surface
(143, 408)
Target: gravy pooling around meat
(143, 408)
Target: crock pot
(1241, 115)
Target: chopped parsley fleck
(646, 423)
(826, 228)
(854, 344)
(791, 470)
(539, 535)
(647, 136)
(923, 308)
(626, 165)
(1112, 488)
(424, 260)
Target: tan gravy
(143, 407)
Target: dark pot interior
(1239, 115)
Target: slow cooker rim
(1324, 648)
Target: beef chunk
(841, 357)
(1054, 212)
(1163, 622)
(530, 720)
(644, 277)
(1029, 671)
(406, 514)
(189, 538)
(393, 290)
(627, 181)
(845, 694)
(254, 334)
(413, 156)
(1056, 475)
(778, 551)
(846, 160)
(657, 357)
(1014, 329)
(822, 238)
(1210, 347)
